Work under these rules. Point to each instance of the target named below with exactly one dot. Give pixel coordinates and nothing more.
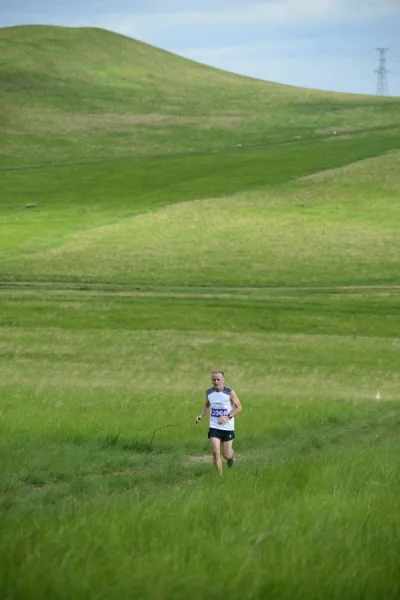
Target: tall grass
(306, 529)
(98, 501)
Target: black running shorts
(221, 434)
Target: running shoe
(231, 461)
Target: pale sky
(323, 44)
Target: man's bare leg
(216, 452)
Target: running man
(223, 405)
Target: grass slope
(69, 94)
(340, 229)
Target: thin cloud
(153, 25)
(256, 13)
(122, 16)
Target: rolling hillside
(87, 95)
(83, 94)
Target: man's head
(217, 378)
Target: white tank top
(220, 405)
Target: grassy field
(129, 279)
(95, 502)
(169, 222)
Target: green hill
(76, 94)
(84, 95)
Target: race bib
(219, 412)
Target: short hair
(218, 371)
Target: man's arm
(236, 403)
(237, 409)
(205, 410)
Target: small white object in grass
(378, 396)
(334, 133)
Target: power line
(382, 82)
